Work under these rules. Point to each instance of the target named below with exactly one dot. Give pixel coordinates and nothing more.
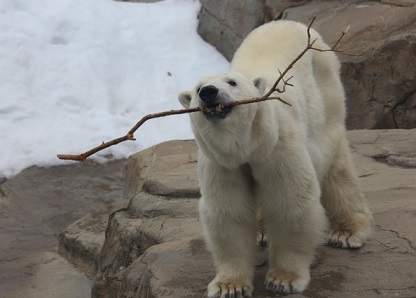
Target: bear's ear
(260, 84)
(185, 99)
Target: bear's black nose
(208, 94)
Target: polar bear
(292, 163)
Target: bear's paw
(231, 288)
(351, 233)
(344, 239)
(282, 281)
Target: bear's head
(215, 95)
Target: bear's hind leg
(288, 195)
(350, 218)
(292, 243)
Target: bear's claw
(343, 239)
(229, 291)
(285, 282)
(262, 240)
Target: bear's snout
(213, 103)
(208, 94)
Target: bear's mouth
(216, 112)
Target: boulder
(225, 24)
(171, 269)
(378, 75)
(160, 206)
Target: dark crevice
(2, 181)
(390, 160)
(267, 12)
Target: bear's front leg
(227, 210)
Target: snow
(75, 73)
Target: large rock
(160, 206)
(154, 244)
(225, 24)
(155, 273)
(380, 82)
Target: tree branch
(130, 135)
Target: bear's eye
(232, 83)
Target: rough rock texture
(380, 83)
(35, 206)
(154, 244)
(160, 206)
(225, 24)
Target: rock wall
(380, 77)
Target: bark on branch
(268, 96)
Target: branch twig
(130, 135)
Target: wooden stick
(130, 135)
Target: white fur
(291, 163)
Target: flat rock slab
(167, 169)
(54, 277)
(35, 206)
(184, 268)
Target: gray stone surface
(158, 173)
(160, 206)
(380, 82)
(54, 277)
(225, 24)
(35, 206)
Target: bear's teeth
(219, 107)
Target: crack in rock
(397, 234)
